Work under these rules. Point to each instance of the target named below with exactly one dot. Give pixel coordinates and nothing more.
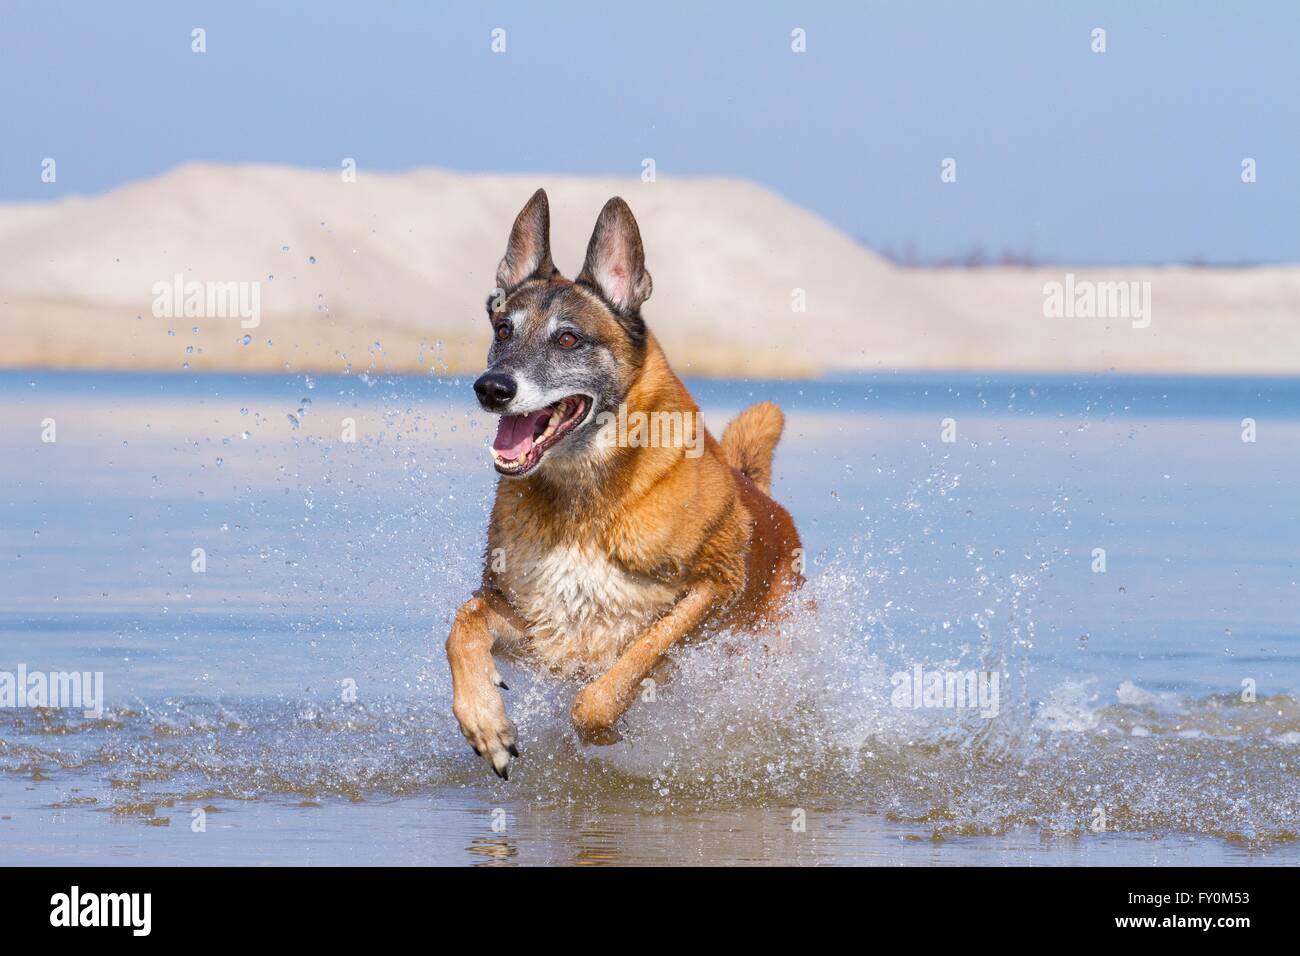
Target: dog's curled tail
(750, 439)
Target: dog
(610, 539)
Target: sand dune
(403, 263)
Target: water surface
(1122, 735)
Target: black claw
(503, 685)
(512, 750)
(503, 774)
(476, 750)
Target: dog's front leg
(476, 699)
(603, 701)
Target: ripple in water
(801, 717)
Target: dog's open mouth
(522, 440)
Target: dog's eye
(567, 340)
(503, 331)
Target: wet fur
(603, 557)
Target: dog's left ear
(615, 265)
(528, 254)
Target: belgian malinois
(621, 526)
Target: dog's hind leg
(600, 704)
(476, 683)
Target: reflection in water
(497, 851)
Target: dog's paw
(483, 721)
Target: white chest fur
(582, 609)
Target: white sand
(407, 260)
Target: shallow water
(1121, 733)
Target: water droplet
(311, 259)
(247, 339)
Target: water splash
(801, 717)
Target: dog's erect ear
(615, 265)
(528, 254)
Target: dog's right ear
(528, 254)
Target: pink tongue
(515, 433)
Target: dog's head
(562, 351)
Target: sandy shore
(390, 272)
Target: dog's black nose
(495, 390)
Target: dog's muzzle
(495, 390)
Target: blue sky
(1063, 154)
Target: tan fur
(611, 559)
(749, 441)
